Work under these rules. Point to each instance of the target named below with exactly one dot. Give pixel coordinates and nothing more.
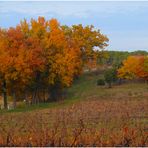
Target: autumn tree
(89, 41)
(128, 70)
(134, 67)
(23, 58)
(142, 68)
(63, 59)
(11, 53)
(43, 55)
(4, 61)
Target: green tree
(110, 76)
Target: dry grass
(93, 122)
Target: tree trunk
(5, 94)
(26, 98)
(110, 85)
(14, 99)
(119, 81)
(34, 97)
(55, 92)
(43, 95)
(37, 97)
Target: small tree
(110, 76)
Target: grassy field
(90, 115)
(85, 88)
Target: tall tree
(42, 54)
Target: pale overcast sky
(125, 23)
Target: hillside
(85, 88)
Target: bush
(110, 76)
(100, 82)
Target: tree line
(125, 65)
(41, 57)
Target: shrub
(100, 82)
(110, 76)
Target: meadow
(90, 115)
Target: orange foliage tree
(134, 67)
(41, 55)
(88, 40)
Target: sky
(125, 23)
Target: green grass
(30, 108)
(86, 88)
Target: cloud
(76, 9)
(44, 8)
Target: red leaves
(45, 51)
